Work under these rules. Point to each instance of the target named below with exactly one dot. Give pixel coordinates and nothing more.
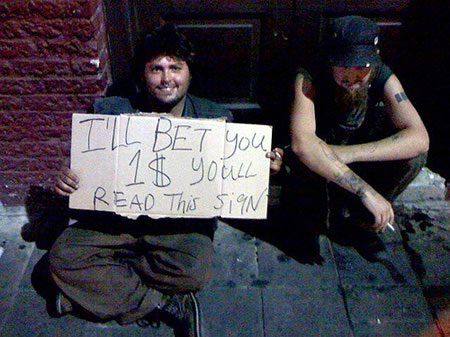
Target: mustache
(361, 83)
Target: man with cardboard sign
(185, 171)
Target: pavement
(262, 288)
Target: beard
(162, 103)
(348, 100)
(167, 103)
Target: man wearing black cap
(143, 270)
(353, 126)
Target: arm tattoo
(349, 178)
(328, 152)
(401, 96)
(372, 148)
(356, 183)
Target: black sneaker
(182, 312)
(152, 319)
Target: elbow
(418, 142)
(297, 149)
(304, 146)
(426, 146)
(301, 150)
(423, 143)
(420, 147)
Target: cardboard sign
(163, 166)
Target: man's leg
(303, 209)
(175, 263)
(350, 219)
(388, 178)
(393, 177)
(119, 276)
(86, 266)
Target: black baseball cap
(352, 41)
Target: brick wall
(53, 62)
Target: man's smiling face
(168, 79)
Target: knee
(198, 273)
(55, 257)
(410, 168)
(196, 283)
(61, 257)
(56, 261)
(417, 163)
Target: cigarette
(390, 227)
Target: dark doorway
(248, 50)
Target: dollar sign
(157, 165)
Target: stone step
(428, 185)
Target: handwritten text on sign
(161, 166)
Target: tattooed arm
(320, 157)
(410, 141)
(380, 208)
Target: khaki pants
(119, 269)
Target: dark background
(249, 48)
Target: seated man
(114, 268)
(353, 126)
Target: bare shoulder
(304, 86)
(393, 90)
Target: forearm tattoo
(349, 179)
(354, 182)
(328, 152)
(372, 148)
(401, 96)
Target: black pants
(388, 178)
(115, 268)
(307, 197)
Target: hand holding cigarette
(389, 225)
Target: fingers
(279, 151)
(381, 210)
(384, 219)
(391, 219)
(388, 217)
(276, 160)
(66, 182)
(275, 155)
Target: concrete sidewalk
(262, 288)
